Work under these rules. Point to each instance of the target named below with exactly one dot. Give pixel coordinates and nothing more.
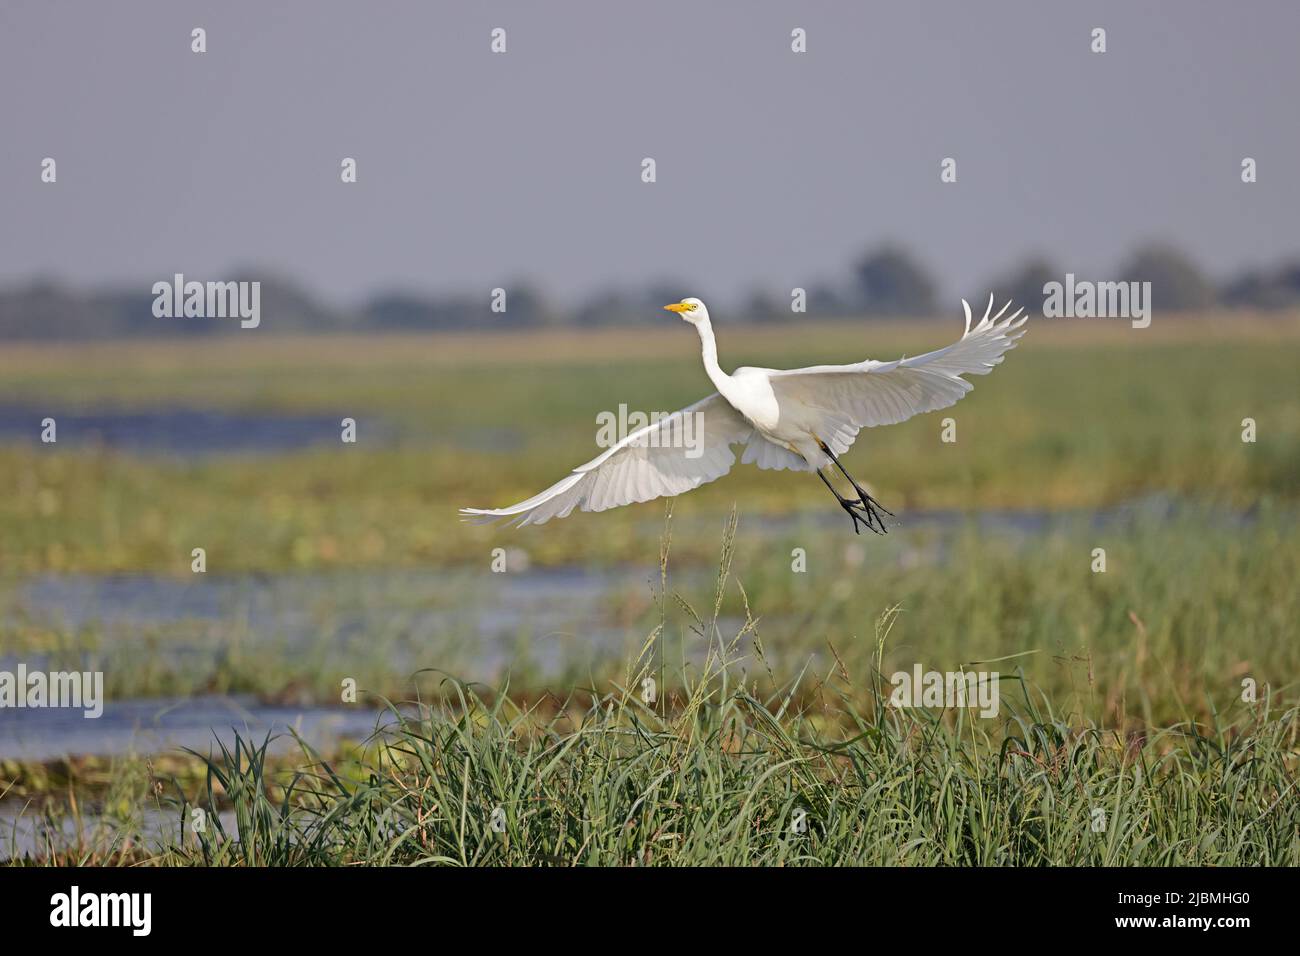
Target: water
(146, 726)
(193, 432)
(181, 431)
(416, 618)
(157, 725)
(26, 833)
(1022, 522)
(465, 623)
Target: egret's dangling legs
(856, 509)
(869, 503)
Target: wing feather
(638, 468)
(870, 393)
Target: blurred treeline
(888, 280)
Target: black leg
(857, 510)
(869, 503)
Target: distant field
(1083, 414)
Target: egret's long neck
(709, 347)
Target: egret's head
(692, 310)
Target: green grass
(734, 778)
(1063, 422)
(1190, 605)
(731, 767)
(1121, 691)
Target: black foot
(862, 513)
(871, 505)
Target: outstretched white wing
(667, 457)
(851, 397)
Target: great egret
(800, 419)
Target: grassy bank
(1192, 602)
(725, 763)
(729, 778)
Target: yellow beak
(678, 307)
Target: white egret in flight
(799, 419)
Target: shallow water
(481, 617)
(1024, 522)
(25, 832)
(465, 622)
(197, 723)
(181, 431)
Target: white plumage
(798, 419)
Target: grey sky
(773, 167)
